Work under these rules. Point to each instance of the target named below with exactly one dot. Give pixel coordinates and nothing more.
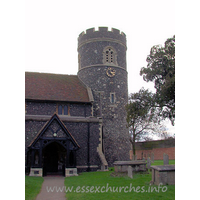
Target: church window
(60, 110)
(110, 56)
(63, 110)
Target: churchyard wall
(158, 148)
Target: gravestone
(137, 168)
(152, 157)
(130, 172)
(148, 163)
(165, 159)
(134, 157)
(164, 174)
(122, 166)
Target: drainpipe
(100, 105)
(88, 144)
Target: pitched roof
(47, 124)
(56, 87)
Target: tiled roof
(55, 87)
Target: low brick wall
(158, 153)
(158, 147)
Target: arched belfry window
(109, 56)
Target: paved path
(50, 189)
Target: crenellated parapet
(102, 34)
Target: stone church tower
(102, 67)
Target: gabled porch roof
(47, 125)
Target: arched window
(65, 110)
(109, 56)
(60, 110)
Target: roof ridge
(50, 73)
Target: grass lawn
(32, 187)
(124, 187)
(160, 162)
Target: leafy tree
(161, 70)
(142, 116)
(165, 135)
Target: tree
(161, 70)
(142, 116)
(165, 135)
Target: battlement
(102, 33)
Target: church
(77, 123)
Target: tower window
(110, 56)
(112, 97)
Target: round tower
(102, 67)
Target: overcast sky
(52, 29)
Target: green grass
(32, 187)
(101, 179)
(160, 162)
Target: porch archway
(54, 159)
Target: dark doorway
(54, 156)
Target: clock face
(110, 72)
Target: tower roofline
(102, 34)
